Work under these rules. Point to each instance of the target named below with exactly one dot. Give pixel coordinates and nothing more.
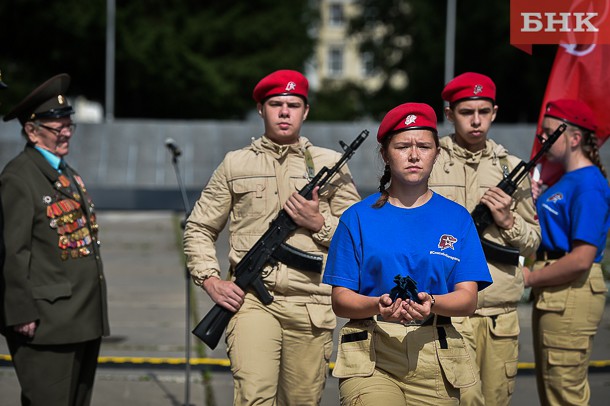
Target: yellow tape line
(222, 362)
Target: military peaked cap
(46, 101)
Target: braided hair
(386, 176)
(383, 181)
(590, 147)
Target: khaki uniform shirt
(464, 177)
(248, 189)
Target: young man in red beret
(467, 171)
(280, 352)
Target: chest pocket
(298, 183)
(249, 196)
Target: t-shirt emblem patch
(446, 241)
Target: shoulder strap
(505, 166)
(309, 164)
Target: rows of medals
(67, 217)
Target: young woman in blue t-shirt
(567, 280)
(395, 350)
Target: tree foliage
(407, 37)
(174, 59)
(195, 59)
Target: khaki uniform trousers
(564, 320)
(278, 357)
(495, 345)
(391, 364)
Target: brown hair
(589, 146)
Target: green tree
(202, 59)
(39, 39)
(174, 59)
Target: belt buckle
(416, 323)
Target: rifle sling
(499, 253)
(301, 260)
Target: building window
(335, 17)
(368, 67)
(335, 61)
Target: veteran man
(52, 288)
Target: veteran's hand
(27, 329)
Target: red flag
(579, 72)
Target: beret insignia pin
(410, 119)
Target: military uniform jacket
(464, 177)
(249, 188)
(52, 271)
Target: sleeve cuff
(513, 234)
(200, 276)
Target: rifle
(482, 214)
(269, 249)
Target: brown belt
(425, 322)
(549, 255)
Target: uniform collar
(51, 158)
(264, 144)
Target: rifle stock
(248, 270)
(482, 214)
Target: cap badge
(410, 119)
(291, 86)
(478, 89)
(61, 99)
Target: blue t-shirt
(436, 244)
(575, 208)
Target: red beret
(407, 116)
(281, 83)
(573, 112)
(469, 85)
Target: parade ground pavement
(143, 362)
